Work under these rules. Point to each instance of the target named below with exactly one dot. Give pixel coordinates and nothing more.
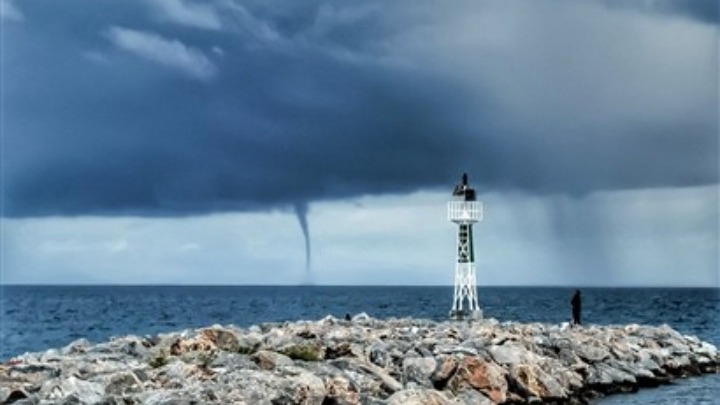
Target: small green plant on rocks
(303, 352)
(204, 359)
(247, 349)
(159, 359)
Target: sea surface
(35, 318)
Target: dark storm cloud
(701, 10)
(173, 107)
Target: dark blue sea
(36, 318)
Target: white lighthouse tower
(464, 211)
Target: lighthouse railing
(465, 211)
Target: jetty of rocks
(360, 361)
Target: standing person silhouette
(576, 303)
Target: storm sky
(178, 141)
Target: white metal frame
(465, 213)
(465, 289)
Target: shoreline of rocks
(361, 361)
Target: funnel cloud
(301, 211)
(168, 110)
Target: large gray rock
(77, 346)
(268, 360)
(646, 360)
(389, 383)
(227, 361)
(472, 397)
(511, 354)
(444, 370)
(419, 396)
(592, 353)
(358, 377)
(418, 370)
(605, 374)
(124, 383)
(706, 349)
(256, 386)
(72, 390)
(249, 343)
(165, 397)
(533, 381)
(306, 389)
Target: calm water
(35, 318)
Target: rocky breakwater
(363, 361)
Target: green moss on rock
(303, 352)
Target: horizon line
(567, 286)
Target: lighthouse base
(462, 314)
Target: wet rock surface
(361, 361)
